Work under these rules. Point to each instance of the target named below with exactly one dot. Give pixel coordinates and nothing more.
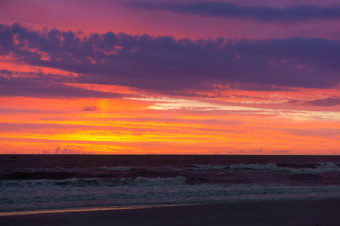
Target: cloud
(42, 86)
(265, 14)
(326, 102)
(90, 108)
(67, 151)
(257, 151)
(319, 132)
(164, 64)
(195, 105)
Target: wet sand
(291, 212)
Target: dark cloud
(90, 108)
(326, 102)
(246, 152)
(67, 151)
(267, 14)
(165, 64)
(43, 86)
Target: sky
(170, 77)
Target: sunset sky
(170, 77)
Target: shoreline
(278, 212)
(87, 209)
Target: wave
(205, 171)
(90, 182)
(199, 167)
(73, 193)
(317, 167)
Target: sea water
(42, 182)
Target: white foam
(328, 167)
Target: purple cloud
(326, 102)
(165, 64)
(265, 14)
(44, 86)
(67, 151)
(90, 108)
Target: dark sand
(276, 213)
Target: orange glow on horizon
(125, 126)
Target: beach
(283, 212)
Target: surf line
(32, 212)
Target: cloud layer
(265, 14)
(163, 63)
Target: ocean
(48, 182)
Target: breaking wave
(318, 167)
